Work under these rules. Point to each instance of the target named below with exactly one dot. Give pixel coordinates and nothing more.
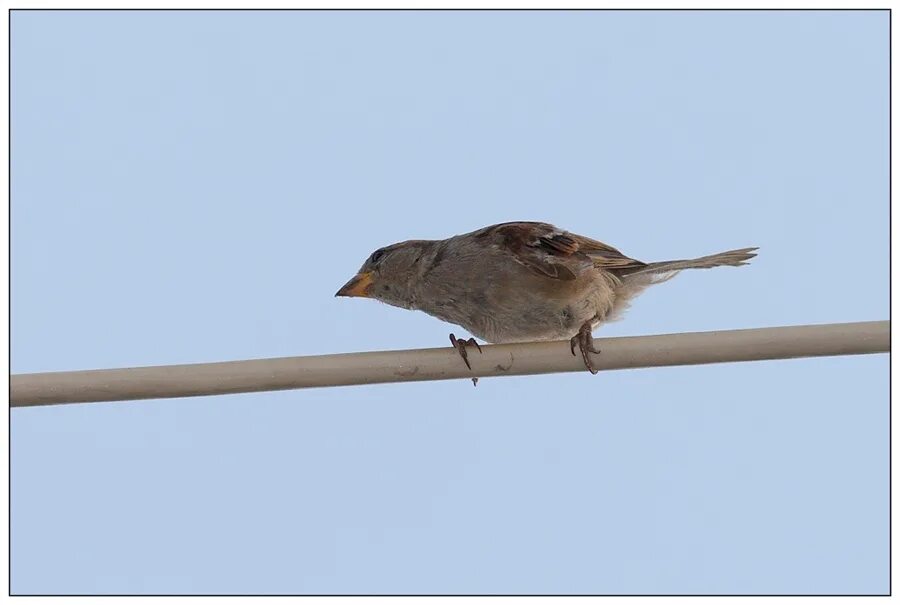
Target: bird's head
(389, 274)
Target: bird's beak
(358, 286)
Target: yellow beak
(358, 286)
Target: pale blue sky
(194, 186)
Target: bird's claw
(585, 341)
(460, 345)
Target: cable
(444, 363)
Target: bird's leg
(460, 345)
(585, 341)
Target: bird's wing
(553, 252)
(603, 255)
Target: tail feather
(634, 280)
(731, 258)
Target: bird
(518, 282)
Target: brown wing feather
(603, 255)
(555, 253)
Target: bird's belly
(532, 314)
(539, 321)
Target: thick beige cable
(442, 364)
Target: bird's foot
(585, 341)
(460, 345)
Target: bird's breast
(517, 305)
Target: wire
(442, 364)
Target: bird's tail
(732, 258)
(634, 280)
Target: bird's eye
(376, 256)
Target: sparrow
(518, 282)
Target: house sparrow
(516, 282)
